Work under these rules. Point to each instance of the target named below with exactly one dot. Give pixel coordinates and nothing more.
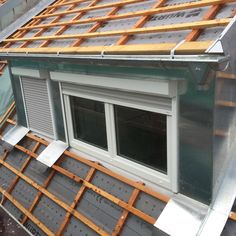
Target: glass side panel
(89, 123)
(141, 136)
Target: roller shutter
(37, 105)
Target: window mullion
(69, 118)
(110, 126)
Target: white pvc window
(140, 135)
(136, 133)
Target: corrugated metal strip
(37, 105)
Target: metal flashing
(217, 45)
(109, 59)
(215, 224)
(52, 153)
(216, 48)
(179, 218)
(222, 205)
(15, 135)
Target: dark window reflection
(141, 136)
(89, 124)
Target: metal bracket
(181, 217)
(172, 52)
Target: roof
(124, 27)
(75, 195)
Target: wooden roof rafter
(19, 34)
(163, 9)
(147, 30)
(90, 8)
(95, 27)
(211, 13)
(41, 31)
(65, 27)
(123, 40)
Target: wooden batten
(128, 207)
(61, 8)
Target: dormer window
(112, 121)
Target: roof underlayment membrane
(124, 27)
(75, 195)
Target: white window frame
(168, 180)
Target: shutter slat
(37, 105)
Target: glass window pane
(141, 136)
(89, 123)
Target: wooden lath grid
(128, 207)
(62, 8)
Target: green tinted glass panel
(88, 119)
(141, 136)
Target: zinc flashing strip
(214, 47)
(172, 52)
(220, 209)
(110, 59)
